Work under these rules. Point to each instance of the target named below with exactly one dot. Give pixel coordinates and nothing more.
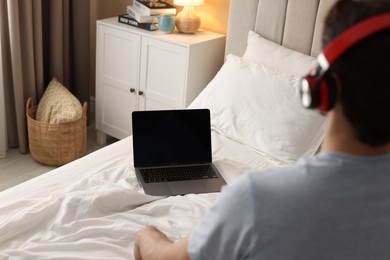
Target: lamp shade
(188, 2)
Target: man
(335, 205)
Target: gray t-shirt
(331, 206)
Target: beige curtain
(3, 133)
(41, 39)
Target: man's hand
(150, 243)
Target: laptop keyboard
(181, 173)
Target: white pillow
(278, 57)
(261, 108)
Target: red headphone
(319, 89)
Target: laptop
(172, 152)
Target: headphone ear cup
(327, 92)
(319, 91)
(316, 93)
(333, 86)
(309, 88)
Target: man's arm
(150, 243)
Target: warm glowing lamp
(187, 21)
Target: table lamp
(187, 21)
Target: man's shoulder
(321, 173)
(324, 163)
(300, 169)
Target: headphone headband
(355, 34)
(319, 88)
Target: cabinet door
(163, 74)
(117, 80)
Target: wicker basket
(56, 144)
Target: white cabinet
(141, 70)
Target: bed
(92, 208)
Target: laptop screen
(171, 137)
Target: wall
(214, 16)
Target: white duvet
(93, 207)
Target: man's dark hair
(363, 70)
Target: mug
(166, 23)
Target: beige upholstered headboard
(296, 24)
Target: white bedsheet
(93, 207)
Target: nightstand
(138, 69)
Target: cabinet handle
(140, 93)
(132, 90)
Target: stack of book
(143, 13)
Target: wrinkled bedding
(93, 207)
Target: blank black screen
(171, 137)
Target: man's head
(362, 72)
